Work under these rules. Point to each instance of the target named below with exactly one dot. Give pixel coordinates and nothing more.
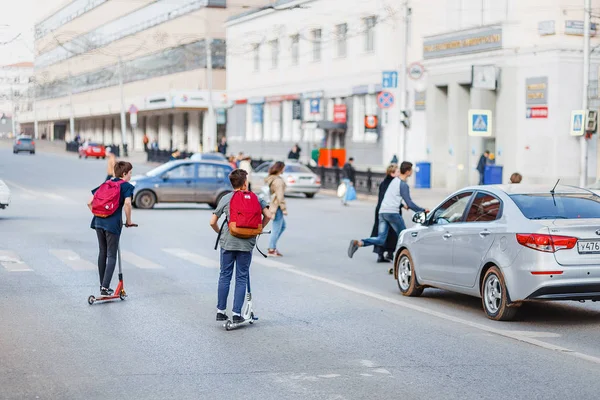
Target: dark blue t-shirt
(114, 223)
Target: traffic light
(405, 118)
(591, 121)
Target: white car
(4, 195)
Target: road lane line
(36, 194)
(193, 258)
(519, 336)
(138, 261)
(12, 262)
(73, 260)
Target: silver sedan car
(506, 244)
(24, 143)
(298, 178)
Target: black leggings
(107, 258)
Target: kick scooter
(120, 292)
(247, 313)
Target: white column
(164, 134)
(267, 123)
(178, 134)
(287, 123)
(276, 121)
(117, 138)
(194, 131)
(138, 136)
(151, 129)
(249, 123)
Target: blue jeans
(279, 226)
(242, 260)
(386, 220)
(347, 195)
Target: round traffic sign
(416, 71)
(385, 99)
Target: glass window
(207, 171)
(452, 210)
(185, 171)
(222, 172)
(342, 42)
(256, 52)
(485, 208)
(295, 49)
(316, 41)
(263, 167)
(297, 168)
(274, 53)
(559, 206)
(370, 23)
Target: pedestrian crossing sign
(577, 122)
(480, 123)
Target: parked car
(208, 157)
(505, 244)
(182, 181)
(298, 178)
(4, 195)
(92, 150)
(24, 143)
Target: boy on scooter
(235, 250)
(108, 220)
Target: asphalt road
(329, 327)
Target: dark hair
(516, 178)
(405, 167)
(351, 159)
(122, 168)
(276, 168)
(486, 152)
(238, 177)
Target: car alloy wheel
(494, 296)
(406, 276)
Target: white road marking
(138, 261)
(516, 335)
(73, 260)
(329, 376)
(36, 194)
(270, 263)
(367, 363)
(382, 371)
(12, 262)
(193, 258)
(366, 375)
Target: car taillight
(18, 142)
(291, 179)
(318, 181)
(33, 143)
(546, 243)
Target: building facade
(150, 58)
(311, 72)
(16, 95)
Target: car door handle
(414, 234)
(484, 233)
(447, 235)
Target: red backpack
(245, 215)
(107, 199)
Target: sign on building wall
(576, 28)
(371, 123)
(315, 106)
(420, 100)
(577, 122)
(297, 110)
(221, 116)
(536, 97)
(480, 123)
(472, 41)
(257, 113)
(546, 28)
(339, 113)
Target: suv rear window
(24, 140)
(559, 206)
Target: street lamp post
(210, 138)
(586, 81)
(123, 122)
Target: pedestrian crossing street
(12, 262)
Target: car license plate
(96, 150)
(588, 246)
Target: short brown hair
(516, 178)
(391, 169)
(238, 177)
(405, 167)
(276, 168)
(122, 168)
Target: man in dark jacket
(481, 165)
(222, 148)
(294, 154)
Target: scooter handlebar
(131, 225)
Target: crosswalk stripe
(270, 263)
(11, 262)
(73, 260)
(193, 258)
(138, 261)
(32, 194)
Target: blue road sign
(480, 123)
(577, 122)
(315, 106)
(385, 99)
(389, 79)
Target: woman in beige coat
(277, 206)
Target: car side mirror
(420, 218)
(165, 176)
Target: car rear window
(297, 168)
(25, 140)
(559, 206)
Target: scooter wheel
(251, 320)
(91, 300)
(228, 325)
(123, 295)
